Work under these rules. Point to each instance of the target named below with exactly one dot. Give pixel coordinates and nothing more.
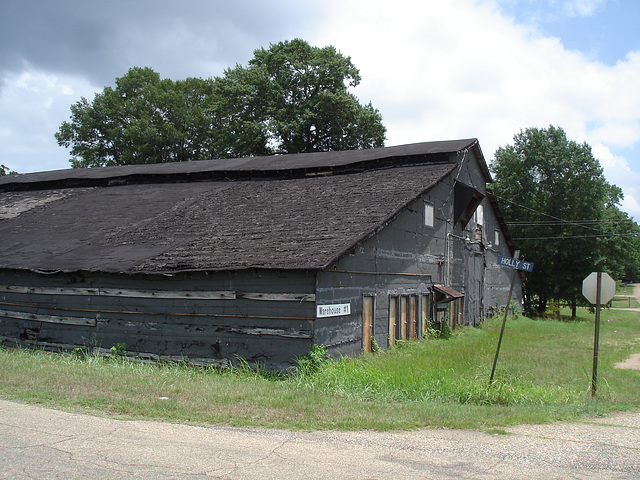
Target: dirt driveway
(39, 443)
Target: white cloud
(539, 10)
(617, 133)
(38, 103)
(618, 172)
(457, 69)
(427, 63)
(582, 8)
(436, 70)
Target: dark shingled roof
(304, 219)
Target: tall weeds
(543, 374)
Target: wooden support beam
(34, 317)
(160, 294)
(278, 332)
(279, 297)
(121, 292)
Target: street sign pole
(504, 321)
(596, 339)
(598, 288)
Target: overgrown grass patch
(624, 302)
(456, 371)
(543, 374)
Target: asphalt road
(39, 443)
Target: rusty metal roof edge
(448, 291)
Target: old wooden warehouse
(257, 258)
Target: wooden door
(368, 306)
(393, 315)
(413, 311)
(403, 317)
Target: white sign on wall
(333, 310)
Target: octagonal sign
(607, 288)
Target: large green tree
(290, 98)
(144, 119)
(295, 98)
(621, 241)
(559, 207)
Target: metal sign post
(598, 288)
(596, 337)
(516, 265)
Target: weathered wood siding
(264, 317)
(400, 261)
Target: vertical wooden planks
(412, 316)
(367, 321)
(393, 305)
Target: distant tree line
(563, 215)
(290, 98)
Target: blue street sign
(513, 263)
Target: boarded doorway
(368, 309)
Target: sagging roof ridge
(247, 168)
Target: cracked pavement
(40, 443)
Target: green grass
(543, 375)
(623, 301)
(624, 297)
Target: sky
(436, 69)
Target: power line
(558, 219)
(568, 237)
(594, 222)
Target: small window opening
(479, 214)
(429, 214)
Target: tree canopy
(562, 214)
(4, 170)
(290, 98)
